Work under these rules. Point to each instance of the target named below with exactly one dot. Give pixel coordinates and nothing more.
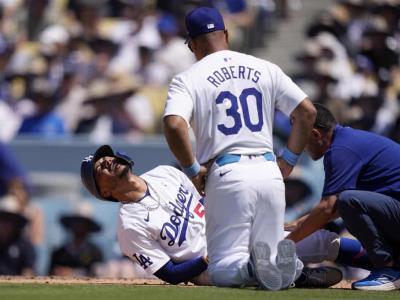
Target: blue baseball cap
(203, 20)
(87, 169)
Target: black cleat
(320, 277)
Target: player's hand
(199, 180)
(285, 167)
(202, 279)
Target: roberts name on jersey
(233, 72)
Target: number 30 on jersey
(233, 111)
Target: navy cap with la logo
(203, 20)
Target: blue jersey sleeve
(175, 273)
(342, 167)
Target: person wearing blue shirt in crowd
(362, 186)
(45, 121)
(12, 174)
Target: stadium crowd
(350, 62)
(102, 68)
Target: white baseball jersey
(167, 224)
(230, 99)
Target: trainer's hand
(290, 226)
(199, 180)
(285, 167)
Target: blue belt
(225, 159)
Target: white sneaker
(267, 274)
(286, 261)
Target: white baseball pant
(245, 203)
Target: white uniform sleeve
(143, 250)
(179, 101)
(287, 94)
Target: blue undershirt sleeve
(175, 273)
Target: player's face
(108, 171)
(315, 146)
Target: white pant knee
(319, 246)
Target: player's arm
(175, 273)
(302, 119)
(177, 135)
(177, 113)
(324, 212)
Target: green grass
(132, 292)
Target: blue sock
(351, 253)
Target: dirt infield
(86, 280)
(78, 280)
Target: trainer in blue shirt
(362, 186)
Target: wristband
(290, 157)
(193, 170)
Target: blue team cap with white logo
(203, 20)
(87, 169)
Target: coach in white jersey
(229, 99)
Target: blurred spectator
(296, 191)
(36, 17)
(17, 255)
(119, 107)
(13, 178)
(86, 17)
(143, 33)
(78, 256)
(43, 119)
(172, 56)
(9, 120)
(15, 185)
(54, 48)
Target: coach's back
(233, 97)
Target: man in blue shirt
(13, 177)
(362, 185)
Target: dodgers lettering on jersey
(177, 225)
(229, 99)
(152, 234)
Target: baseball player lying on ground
(161, 223)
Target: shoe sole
(286, 261)
(267, 274)
(390, 286)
